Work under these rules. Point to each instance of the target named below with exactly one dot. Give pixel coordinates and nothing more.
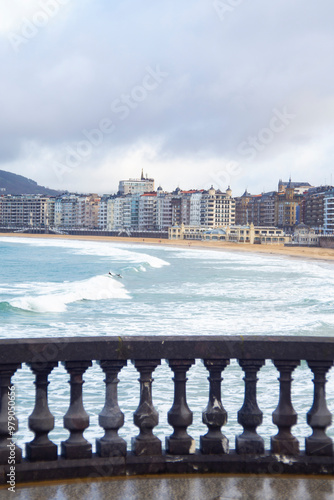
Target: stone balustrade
(180, 453)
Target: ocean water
(55, 288)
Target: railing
(181, 453)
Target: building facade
(26, 211)
(217, 208)
(236, 234)
(136, 186)
(329, 212)
(313, 206)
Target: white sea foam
(53, 297)
(103, 249)
(125, 256)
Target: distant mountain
(17, 184)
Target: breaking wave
(54, 297)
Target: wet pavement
(189, 487)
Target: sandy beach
(298, 252)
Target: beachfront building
(194, 207)
(147, 212)
(163, 209)
(184, 232)
(24, 211)
(178, 207)
(258, 209)
(118, 219)
(288, 208)
(74, 211)
(235, 234)
(268, 212)
(313, 206)
(103, 213)
(244, 208)
(91, 217)
(127, 204)
(256, 235)
(134, 208)
(217, 208)
(280, 208)
(329, 212)
(136, 186)
(110, 214)
(66, 213)
(305, 236)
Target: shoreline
(314, 253)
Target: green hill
(17, 184)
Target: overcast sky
(196, 93)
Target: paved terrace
(197, 487)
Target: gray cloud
(228, 70)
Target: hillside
(18, 184)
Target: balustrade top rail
(167, 347)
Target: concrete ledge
(168, 464)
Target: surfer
(113, 275)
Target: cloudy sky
(196, 93)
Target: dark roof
(295, 184)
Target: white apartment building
(118, 219)
(103, 214)
(163, 210)
(217, 208)
(147, 212)
(195, 209)
(136, 186)
(110, 214)
(106, 213)
(127, 206)
(329, 212)
(120, 212)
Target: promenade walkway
(194, 487)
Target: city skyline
(155, 185)
(220, 92)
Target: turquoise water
(61, 288)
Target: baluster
(8, 422)
(41, 421)
(76, 419)
(146, 417)
(250, 416)
(180, 416)
(111, 418)
(215, 415)
(319, 417)
(284, 443)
